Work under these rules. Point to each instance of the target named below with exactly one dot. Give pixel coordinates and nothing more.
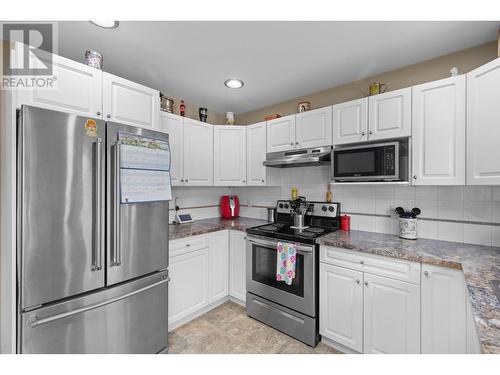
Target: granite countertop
(177, 231)
(480, 264)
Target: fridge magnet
(91, 128)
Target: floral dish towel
(285, 262)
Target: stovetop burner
(288, 232)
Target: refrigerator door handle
(116, 206)
(48, 319)
(97, 246)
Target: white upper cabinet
(391, 316)
(483, 125)
(256, 154)
(77, 88)
(313, 128)
(444, 310)
(198, 153)
(173, 126)
(390, 115)
(129, 102)
(281, 134)
(438, 132)
(230, 155)
(350, 122)
(341, 305)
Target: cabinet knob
(263, 181)
(291, 143)
(363, 133)
(108, 115)
(243, 181)
(370, 132)
(186, 180)
(182, 180)
(414, 176)
(188, 245)
(357, 281)
(98, 113)
(245, 237)
(361, 262)
(366, 283)
(426, 273)
(297, 143)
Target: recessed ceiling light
(233, 83)
(106, 24)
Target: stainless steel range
(292, 309)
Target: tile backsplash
(468, 214)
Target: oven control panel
(315, 208)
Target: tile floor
(228, 330)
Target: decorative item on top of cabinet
(377, 88)
(130, 103)
(271, 117)
(438, 132)
(182, 109)
(167, 104)
(389, 115)
(303, 107)
(203, 113)
(229, 118)
(93, 59)
(483, 130)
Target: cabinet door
(341, 305)
(444, 311)
(350, 122)
(483, 130)
(230, 164)
(314, 128)
(281, 134)
(391, 316)
(188, 288)
(256, 154)
(218, 265)
(198, 153)
(237, 265)
(77, 89)
(173, 126)
(130, 103)
(438, 133)
(390, 115)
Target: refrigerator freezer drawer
(129, 318)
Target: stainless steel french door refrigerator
(92, 252)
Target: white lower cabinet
(391, 316)
(218, 265)
(444, 310)
(188, 288)
(341, 305)
(237, 265)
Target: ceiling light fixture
(234, 83)
(106, 24)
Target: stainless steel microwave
(372, 162)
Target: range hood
(299, 158)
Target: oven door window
(264, 270)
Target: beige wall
(426, 71)
(213, 117)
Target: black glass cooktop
(288, 233)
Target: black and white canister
(408, 228)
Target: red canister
(345, 222)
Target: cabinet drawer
(185, 245)
(393, 268)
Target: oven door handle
(301, 248)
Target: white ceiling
(276, 60)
